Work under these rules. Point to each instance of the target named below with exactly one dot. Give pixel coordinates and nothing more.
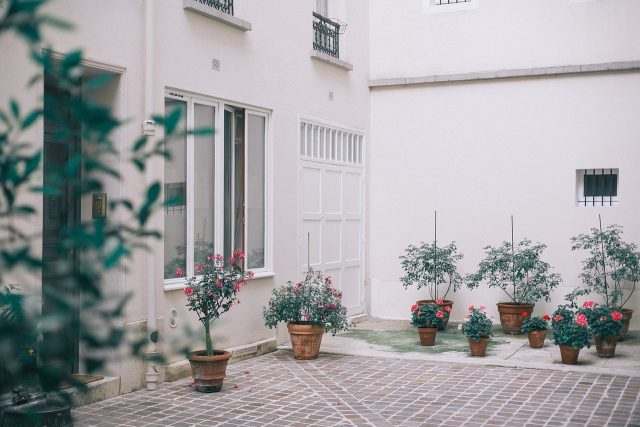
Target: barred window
(597, 187)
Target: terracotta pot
(569, 355)
(478, 348)
(536, 338)
(627, 313)
(209, 371)
(305, 340)
(427, 336)
(446, 303)
(606, 346)
(511, 316)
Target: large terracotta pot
(305, 340)
(568, 354)
(536, 338)
(209, 371)
(478, 348)
(445, 303)
(627, 313)
(427, 336)
(606, 346)
(511, 316)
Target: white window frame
(220, 105)
(430, 7)
(593, 201)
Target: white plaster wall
(500, 34)
(479, 152)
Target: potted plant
(209, 295)
(519, 272)
(571, 333)
(428, 318)
(536, 328)
(606, 324)
(477, 328)
(611, 269)
(309, 308)
(433, 267)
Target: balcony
(219, 10)
(326, 41)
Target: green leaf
(32, 165)
(139, 144)
(15, 108)
(99, 81)
(153, 193)
(171, 121)
(31, 118)
(70, 61)
(24, 210)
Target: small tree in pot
(611, 269)
(210, 295)
(434, 267)
(519, 272)
(309, 308)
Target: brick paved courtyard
(348, 390)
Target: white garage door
(331, 202)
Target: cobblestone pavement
(348, 390)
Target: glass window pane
(175, 191)
(233, 181)
(256, 191)
(203, 185)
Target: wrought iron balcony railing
(225, 6)
(326, 35)
(443, 2)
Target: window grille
(326, 143)
(326, 35)
(597, 187)
(175, 194)
(225, 6)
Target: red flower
(447, 309)
(616, 315)
(581, 320)
(546, 317)
(588, 304)
(439, 301)
(414, 307)
(482, 307)
(439, 314)
(219, 284)
(188, 291)
(179, 272)
(250, 275)
(557, 318)
(524, 314)
(199, 267)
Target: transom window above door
(215, 187)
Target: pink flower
(581, 320)
(616, 315)
(230, 305)
(471, 307)
(236, 288)
(328, 280)
(219, 284)
(439, 314)
(483, 307)
(557, 318)
(447, 309)
(439, 301)
(179, 272)
(250, 275)
(419, 313)
(414, 307)
(188, 291)
(214, 296)
(339, 295)
(588, 304)
(603, 318)
(199, 268)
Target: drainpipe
(148, 129)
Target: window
(326, 143)
(597, 187)
(322, 8)
(208, 211)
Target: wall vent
(215, 64)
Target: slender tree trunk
(207, 337)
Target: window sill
(180, 284)
(208, 11)
(323, 57)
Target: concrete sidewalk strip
(341, 390)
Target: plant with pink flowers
(313, 301)
(215, 290)
(571, 327)
(604, 321)
(428, 315)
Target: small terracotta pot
(209, 371)
(427, 336)
(606, 346)
(627, 313)
(305, 340)
(511, 316)
(478, 348)
(445, 303)
(569, 355)
(536, 338)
